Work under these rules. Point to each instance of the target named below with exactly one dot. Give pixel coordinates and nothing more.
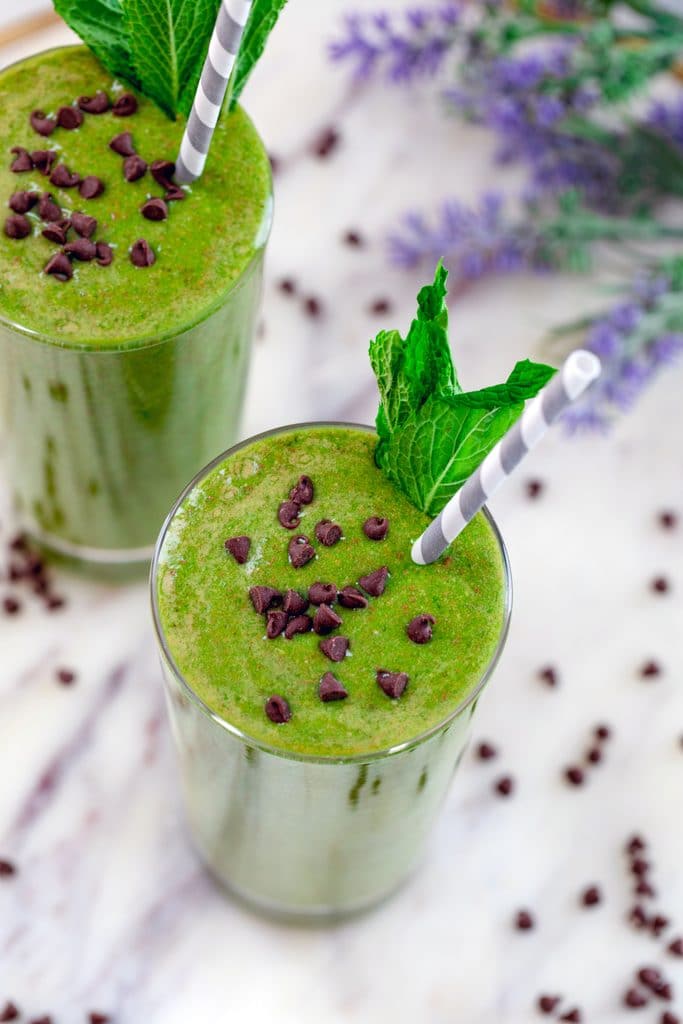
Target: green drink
(327, 812)
(122, 381)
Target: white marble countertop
(110, 911)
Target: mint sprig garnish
(431, 434)
(159, 46)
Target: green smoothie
(122, 381)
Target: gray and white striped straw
(572, 379)
(218, 66)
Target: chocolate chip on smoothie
(276, 620)
(278, 709)
(264, 598)
(22, 202)
(64, 178)
(162, 171)
(22, 160)
(330, 688)
(238, 547)
(375, 582)
(83, 224)
(325, 620)
(142, 254)
(303, 491)
(174, 194)
(376, 528)
(419, 629)
(547, 1004)
(91, 187)
(335, 647)
(134, 167)
(154, 209)
(293, 603)
(125, 105)
(69, 118)
(97, 104)
(48, 209)
(351, 597)
(298, 624)
(288, 514)
(301, 551)
(10, 1011)
(59, 266)
(105, 254)
(328, 533)
(322, 593)
(43, 159)
(17, 226)
(82, 249)
(524, 921)
(392, 683)
(55, 233)
(123, 144)
(42, 124)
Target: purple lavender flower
(667, 121)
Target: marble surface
(109, 909)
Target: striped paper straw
(574, 376)
(220, 60)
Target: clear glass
(309, 838)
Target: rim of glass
(150, 339)
(268, 748)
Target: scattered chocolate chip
(640, 866)
(98, 1018)
(301, 551)
(55, 233)
(591, 896)
(22, 202)
(41, 1020)
(548, 675)
(659, 585)
(142, 254)
(123, 145)
(638, 917)
(325, 620)
(91, 187)
(7, 868)
(486, 751)
(667, 519)
(635, 999)
(59, 266)
(676, 947)
(573, 1015)
(375, 582)
(82, 249)
(174, 194)
(22, 160)
(335, 647)
(69, 118)
(105, 254)
(547, 1004)
(326, 143)
(276, 622)
(574, 775)
(635, 844)
(65, 676)
(322, 593)
(42, 124)
(650, 669)
(278, 709)
(64, 178)
(380, 307)
(264, 598)
(162, 171)
(83, 224)
(43, 159)
(354, 239)
(419, 629)
(48, 209)
(288, 514)
(658, 924)
(391, 683)
(330, 688)
(328, 533)
(97, 104)
(351, 597)
(644, 888)
(594, 755)
(134, 167)
(376, 528)
(125, 105)
(10, 1011)
(669, 1018)
(504, 786)
(298, 624)
(287, 286)
(534, 488)
(10, 605)
(238, 547)
(303, 491)
(17, 226)
(650, 977)
(524, 922)
(602, 731)
(313, 307)
(154, 209)
(293, 603)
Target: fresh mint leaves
(160, 46)
(431, 434)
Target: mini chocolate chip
(288, 514)
(547, 1004)
(142, 254)
(328, 533)
(303, 491)
(298, 624)
(524, 921)
(83, 224)
(91, 187)
(22, 202)
(69, 118)
(534, 488)
(287, 286)
(650, 669)
(278, 709)
(41, 123)
(7, 868)
(668, 520)
(22, 160)
(97, 104)
(174, 194)
(676, 947)
(419, 629)
(573, 1015)
(10, 605)
(591, 896)
(98, 1018)
(48, 209)
(335, 647)
(65, 676)
(635, 844)
(574, 775)
(351, 597)
(43, 159)
(238, 547)
(300, 551)
(276, 621)
(659, 585)
(125, 105)
(548, 675)
(658, 924)
(55, 233)
(105, 254)
(638, 917)
(379, 307)
(134, 167)
(322, 593)
(650, 977)
(82, 249)
(594, 755)
(663, 990)
(64, 178)
(669, 1018)
(59, 266)
(162, 171)
(313, 307)
(640, 866)
(391, 683)
(505, 785)
(17, 226)
(10, 1011)
(330, 688)
(635, 999)
(602, 731)
(354, 239)
(154, 209)
(486, 751)
(123, 144)
(375, 582)
(326, 142)
(293, 603)
(376, 528)
(264, 598)
(325, 620)
(644, 888)
(47, 1019)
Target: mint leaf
(99, 23)
(432, 435)
(264, 14)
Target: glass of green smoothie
(127, 303)
(320, 684)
